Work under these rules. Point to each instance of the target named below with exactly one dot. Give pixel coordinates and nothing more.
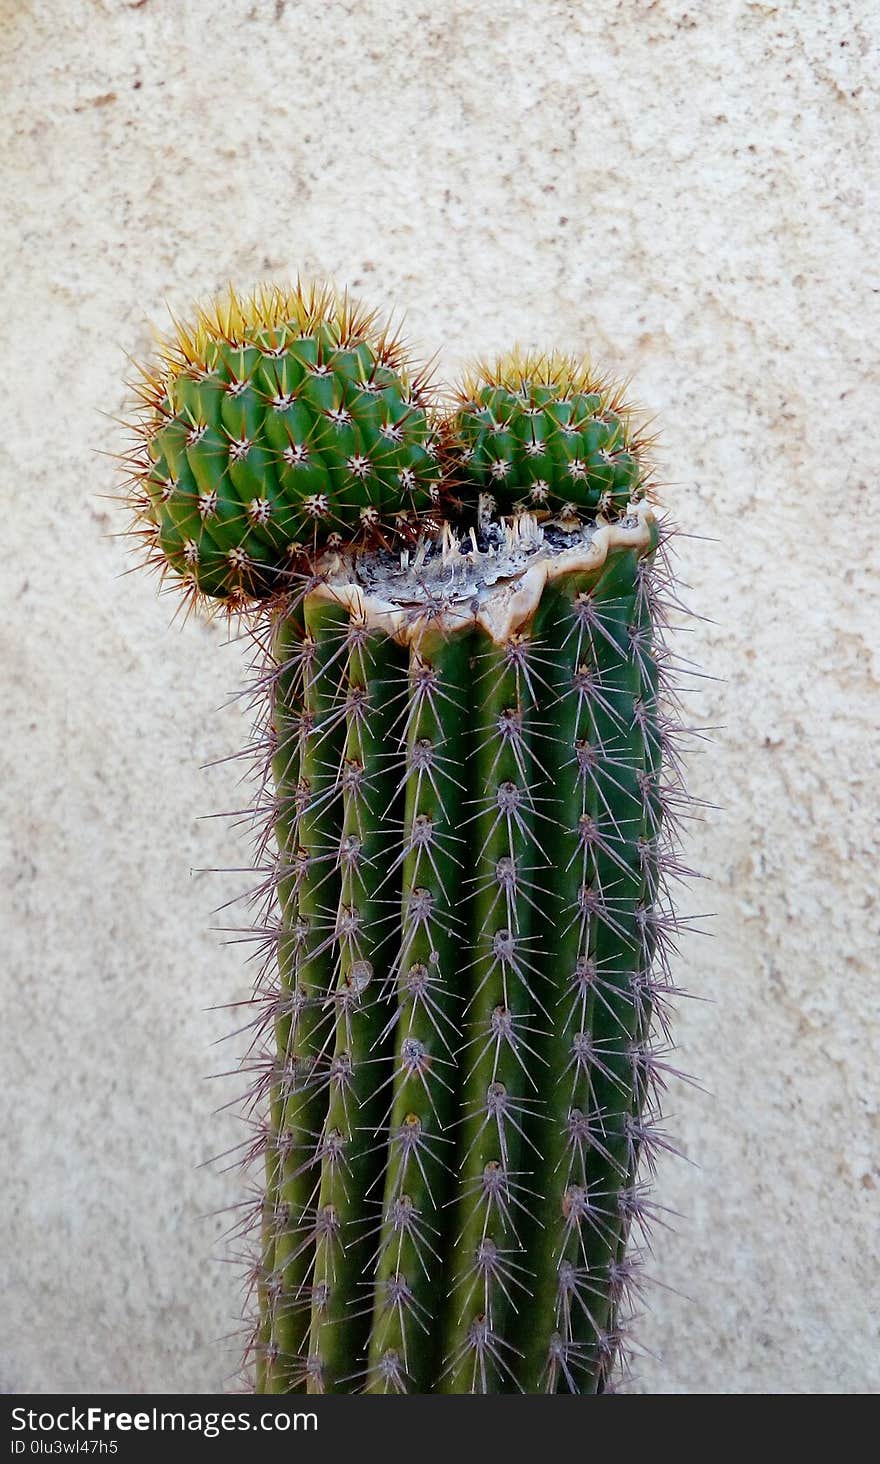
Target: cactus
(460, 1021)
(545, 433)
(277, 425)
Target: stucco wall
(684, 189)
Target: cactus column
(466, 785)
(478, 1037)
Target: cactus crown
(548, 434)
(273, 426)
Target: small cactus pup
(467, 805)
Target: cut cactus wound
(462, 1012)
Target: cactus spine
(466, 930)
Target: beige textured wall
(683, 188)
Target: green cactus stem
(481, 1135)
(461, 1020)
